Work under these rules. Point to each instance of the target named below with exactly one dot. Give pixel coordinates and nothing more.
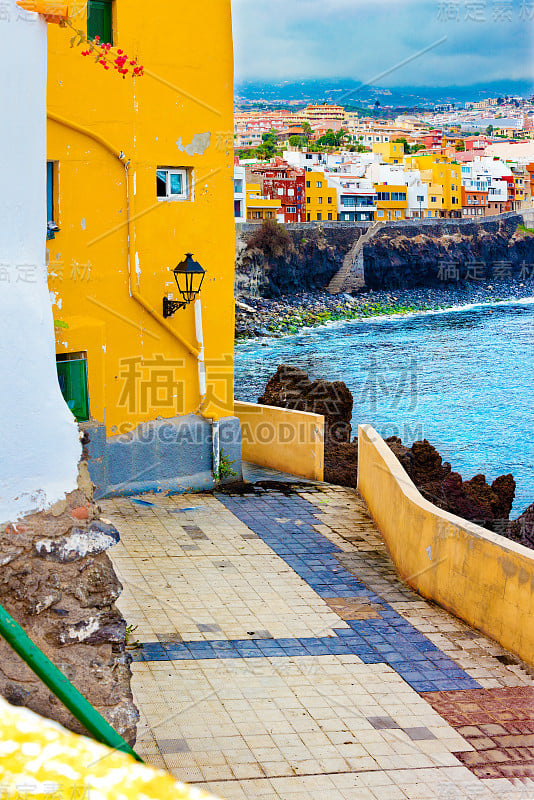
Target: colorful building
(321, 199)
(140, 173)
(324, 114)
(240, 194)
(286, 185)
(391, 152)
(474, 203)
(444, 183)
(391, 201)
(259, 207)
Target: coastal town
(323, 163)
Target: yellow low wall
(282, 439)
(484, 579)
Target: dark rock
(79, 543)
(15, 694)
(521, 530)
(474, 499)
(98, 629)
(341, 463)
(403, 255)
(290, 387)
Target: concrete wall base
(167, 455)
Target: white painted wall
(39, 442)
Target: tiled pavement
(283, 657)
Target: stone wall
(58, 583)
(482, 578)
(425, 256)
(312, 256)
(402, 255)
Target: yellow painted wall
(187, 90)
(519, 183)
(484, 579)
(438, 171)
(259, 207)
(321, 199)
(283, 439)
(391, 152)
(390, 207)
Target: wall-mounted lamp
(189, 276)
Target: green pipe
(63, 689)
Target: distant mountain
(346, 91)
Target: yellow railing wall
(483, 578)
(282, 439)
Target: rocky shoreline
(486, 504)
(257, 317)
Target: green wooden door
(100, 20)
(72, 376)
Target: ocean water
(462, 378)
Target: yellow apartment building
(260, 208)
(443, 177)
(391, 202)
(140, 173)
(391, 152)
(520, 184)
(321, 199)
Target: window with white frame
(173, 183)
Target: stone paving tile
(389, 639)
(255, 680)
(499, 726)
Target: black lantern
(189, 276)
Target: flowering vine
(104, 54)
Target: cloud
(302, 39)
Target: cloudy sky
(486, 40)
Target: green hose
(63, 689)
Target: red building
(286, 184)
(478, 143)
(432, 140)
(511, 204)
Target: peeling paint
(198, 145)
(83, 224)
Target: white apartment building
(240, 194)
(355, 198)
(397, 175)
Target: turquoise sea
(462, 378)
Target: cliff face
(307, 262)
(429, 256)
(402, 255)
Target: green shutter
(72, 376)
(100, 20)
(49, 191)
